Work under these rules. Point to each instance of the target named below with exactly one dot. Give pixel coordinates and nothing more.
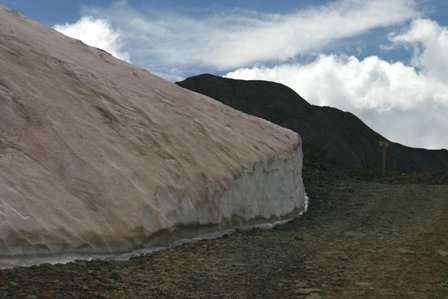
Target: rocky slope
(97, 155)
(339, 138)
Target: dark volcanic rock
(331, 136)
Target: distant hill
(333, 137)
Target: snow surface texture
(98, 156)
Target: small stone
(80, 263)
(354, 234)
(313, 296)
(110, 281)
(442, 252)
(140, 276)
(306, 291)
(337, 254)
(332, 252)
(344, 257)
(348, 189)
(96, 282)
(362, 284)
(302, 285)
(115, 275)
(404, 250)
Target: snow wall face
(99, 156)
(270, 191)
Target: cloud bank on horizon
(407, 101)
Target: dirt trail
(359, 240)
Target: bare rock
(405, 251)
(442, 252)
(306, 291)
(354, 234)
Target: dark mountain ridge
(330, 136)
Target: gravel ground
(360, 239)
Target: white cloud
(406, 103)
(96, 33)
(239, 38)
(348, 83)
(389, 96)
(430, 41)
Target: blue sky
(52, 12)
(383, 60)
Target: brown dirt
(359, 240)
